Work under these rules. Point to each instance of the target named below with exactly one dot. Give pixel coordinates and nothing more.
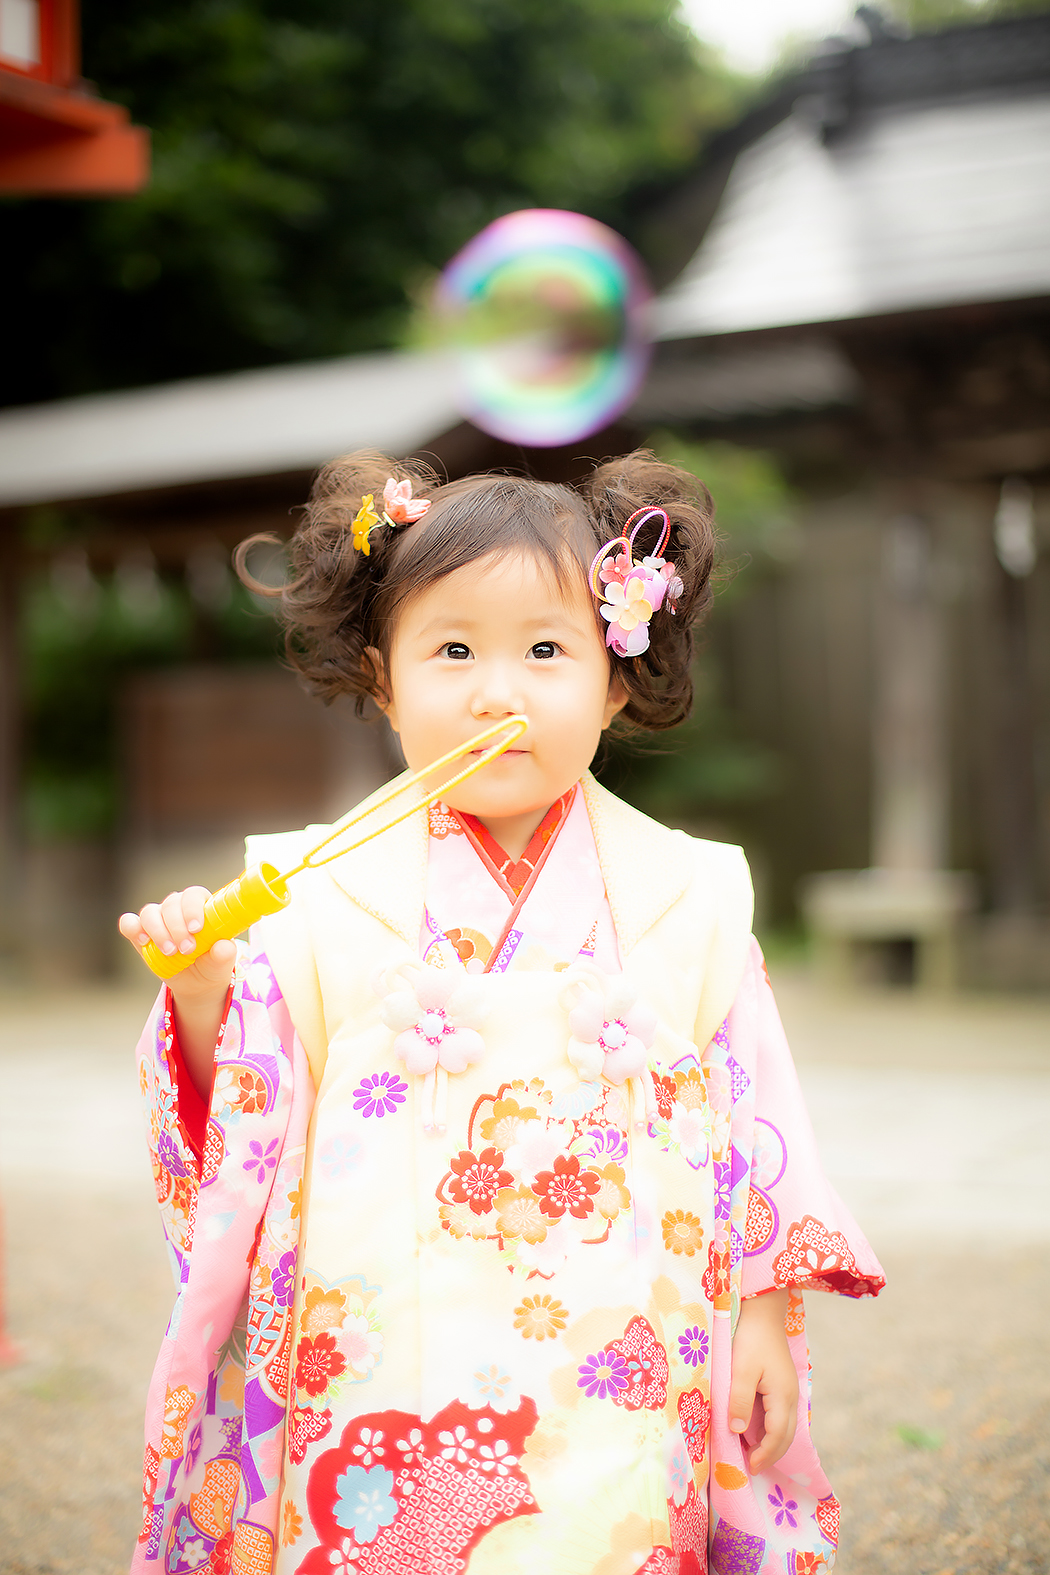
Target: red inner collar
(516, 874)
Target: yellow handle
(258, 891)
(263, 889)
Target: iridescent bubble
(548, 314)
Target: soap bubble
(547, 312)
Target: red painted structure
(57, 137)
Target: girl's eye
(456, 651)
(543, 650)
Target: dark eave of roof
(841, 83)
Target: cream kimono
(556, 1136)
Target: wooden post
(910, 786)
(1012, 803)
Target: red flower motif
(477, 1178)
(317, 1362)
(809, 1563)
(666, 1089)
(566, 1187)
(717, 1275)
(813, 1252)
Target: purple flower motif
(380, 1094)
(263, 1159)
(607, 1143)
(603, 1374)
(692, 1346)
(784, 1508)
(193, 1447)
(169, 1156)
(723, 1190)
(283, 1279)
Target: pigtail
(659, 682)
(328, 603)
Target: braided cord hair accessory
(631, 591)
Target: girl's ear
(616, 700)
(375, 674)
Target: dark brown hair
(338, 604)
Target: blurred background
(850, 241)
(221, 222)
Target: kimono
(493, 1153)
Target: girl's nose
(496, 693)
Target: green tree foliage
(313, 160)
(81, 638)
(925, 15)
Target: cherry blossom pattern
(567, 1188)
(317, 1362)
(612, 1030)
(436, 1020)
(529, 1181)
(476, 1179)
(340, 1342)
(395, 1487)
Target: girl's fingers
(741, 1399)
(130, 926)
(215, 965)
(151, 919)
(193, 900)
(173, 912)
(779, 1431)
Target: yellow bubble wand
(262, 889)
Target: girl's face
(495, 638)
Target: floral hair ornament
(631, 591)
(399, 508)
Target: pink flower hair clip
(631, 591)
(399, 508)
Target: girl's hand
(199, 991)
(762, 1367)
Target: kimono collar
(641, 861)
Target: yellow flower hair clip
(399, 508)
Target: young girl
(485, 1171)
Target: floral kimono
(470, 1306)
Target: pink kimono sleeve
(778, 1224)
(215, 1415)
(796, 1229)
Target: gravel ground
(931, 1404)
